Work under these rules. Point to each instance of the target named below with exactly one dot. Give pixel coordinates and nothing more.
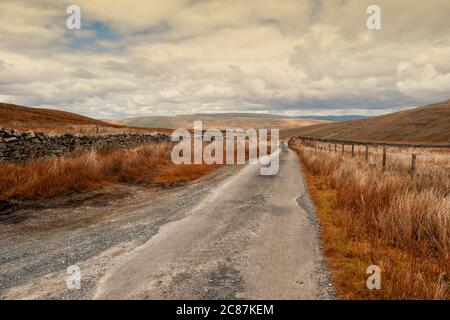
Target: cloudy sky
(149, 57)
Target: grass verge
(391, 221)
(147, 165)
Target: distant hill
(335, 118)
(219, 121)
(429, 123)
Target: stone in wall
(16, 146)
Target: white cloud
(423, 81)
(167, 57)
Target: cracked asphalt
(247, 239)
(232, 235)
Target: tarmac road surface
(250, 237)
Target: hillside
(55, 121)
(219, 121)
(429, 124)
(26, 118)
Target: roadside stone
(10, 139)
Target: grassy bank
(150, 165)
(386, 219)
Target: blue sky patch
(101, 32)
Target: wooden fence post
(413, 165)
(367, 153)
(384, 160)
(353, 150)
(343, 145)
(335, 148)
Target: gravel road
(232, 235)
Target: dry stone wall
(18, 146)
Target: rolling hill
(430, 124)
(335, 118)
(56, 122)
(16, 117)
(220, 121)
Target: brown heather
(388, 219)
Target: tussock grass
(389, 219)
(150, 164)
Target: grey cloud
(237, 56)
(316, 7)
(82, 74)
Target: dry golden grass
(389, 219)
(150, 165)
